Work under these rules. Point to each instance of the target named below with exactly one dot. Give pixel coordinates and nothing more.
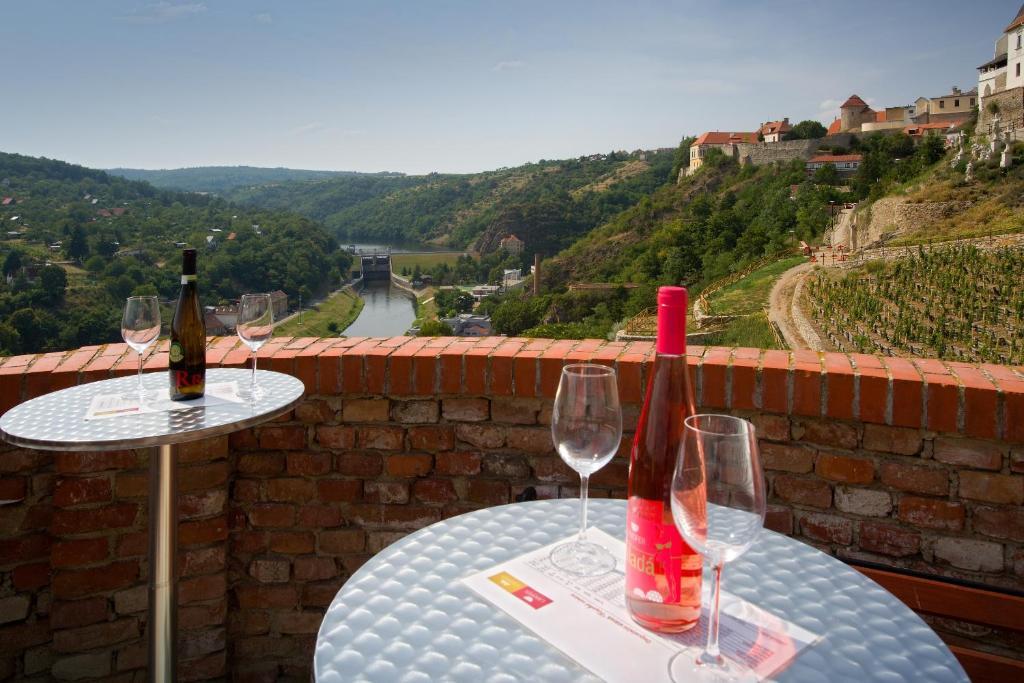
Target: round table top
(56, 421)
(404, 616)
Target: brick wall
(911, 463)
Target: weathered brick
(299, 622)
(272, 515)
(24, 548)
(202, 531)
(96, 635)
(202, 476)
(315, 568)
(507, 466)
(336, 437)
(320, 594)
(290, 438)
(116, 516)
(264, 597)
(202, 503)
(553, 469)
(415, 412)
(813, 492)
(359, 464)
(772, 427)
(73, 613)
(520, 411)
(365, 410)
(202, 588)
(844, 469)
(73, 668)
(320, 516)
(915, 479)
(932, 513)
(378, 540)
(131, 600)
(290, 542)
(867, 502)
(14, 608)
(964, 553)
(270, 571)
(888, 539)
(830, 433)
(408, 465)
(1002, 522)
(386, 492)
(992, 488)
(779, 518)
(290, 490)
(75, 584)
(308, 464)
(260, 464)
(70, 492)
(195, 561)
(198, 643)
(434, 491)
(466, 409)
(487, 492)
(530, 440)
(380, 438)
(342, 541)
(827, 528)
(81, 462)
(432, 439)
(481, 435)
(983, 455)
(457, 463)
(203, 450)
(898, 440)
(77, 552)
(787, 458)
(314, 412)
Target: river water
(387, 311)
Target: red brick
(712, 373)
(907, 385)
(487, 492)
(744, 382)
(779, 518)
(839, 379)
(530, 440)
(203, 531)
(339, 490)
(31, 577)
(992, 488)
(359, 464)
(270, 571)
(202, 588)
(915, 479)
(132, 485)
(502, 364)
(132, 544)
(828, 433)
(943, 397)
(457, 463)
(308, 464)
(408, 465)
(481, 435)
(434, 491)
(432, 439)
(380, 438)
(24, 460)
(807, 380)
(841, 468)
(13, 488)
(320, 594)
(775, 381)
(116, 516)
(873, 385)
(888, 539)
(201, 477)
(84, 462)
(896, 440)
(553, 469)
(96, 635)
(203, 450)
(293, 490)
(38, 517)
(827, 528)
(320, 516)
(314, 412)
(787, 458)
(980, 407)
(290, 542)
(24, 548)
(1003, 522)
(76, 584)
(984, 455)
(283, 438)
(342, 541)
(272, 515)
(197, 561)
(451, 367)
(299, 622)
(335, 436)
(263, 597)
(366, 410)
(315, 569)
(72, 614)
(466, 409)
(386, 492)
(811, 492)
(771, 427)
(80, 551)
(260, 464)
(931, 513)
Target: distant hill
(221, 179)
(548, 204)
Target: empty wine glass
(255, 325)
(718, 505)
(586, 426)
(140, 327)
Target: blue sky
(450, 86)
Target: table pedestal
(163, 564)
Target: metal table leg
(163, 564)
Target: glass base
(686, 667)
(251, 393)
(582, 558)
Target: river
(387, 311)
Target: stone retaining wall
(910, 463)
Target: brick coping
(977, 400)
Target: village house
(846, 164)
(469, 325)
(954, 107)
(773, 131)
(724, 141)
(511, 245)
(1000, 81)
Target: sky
(450, 86)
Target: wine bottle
(187, 358)
(663, 573)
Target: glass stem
(140, 371)
(584, 484)
(711, 655)
(252, 382)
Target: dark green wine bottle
(187, 360)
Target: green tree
(78, 246)
(13, 262)
(826, 175)
(54, 282)
(806, 130)
(434, 328)
(513, 316)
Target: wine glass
(718, 505)
(140, 327)
(255, 325)
(586, 426)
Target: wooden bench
(963, 601)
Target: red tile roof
(1017, 20)
(828, 158)
(835, 127)
(231, 236)
(104, 213)
(724, 138)
(855, 102)
(118, 211)
(775, 127)
(922, 128)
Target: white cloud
(264, 18)
(827, 106)
(160, 12)
(509, 65)
(306, 129)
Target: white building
(1003, 73)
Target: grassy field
(424, 261)
(425, 307)
(341, 308)
(752, 330)
(750, 294)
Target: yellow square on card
(508, 582)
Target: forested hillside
(77, 241)
(221, 179)
(548, 204)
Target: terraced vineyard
(960, 303)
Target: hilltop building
(511, 245)
(951, 108)
(724, 141)
(773, 131)
(1000, 82)
(846, 164)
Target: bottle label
(176, 353)
(655, 554)
(185, 279)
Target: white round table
(404, 616)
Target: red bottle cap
(672, 302)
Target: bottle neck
(671, 331)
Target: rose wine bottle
(187, 357)
(663, 573)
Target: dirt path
(796, 331)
